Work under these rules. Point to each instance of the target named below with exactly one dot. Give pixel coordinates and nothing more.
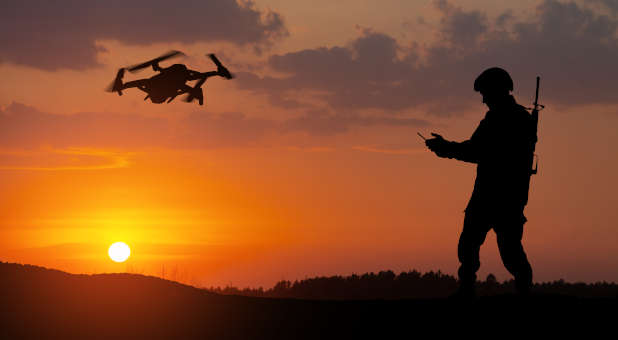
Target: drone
(170, 82)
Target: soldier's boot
(467, 280)
(523, 283)
(465, 293)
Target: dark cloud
(504, 18)
(23, 126)
(612, 5)
(53, 35)
(204, 130)
(318, 122)
(571, 46)
(364, 75)
(462, 27)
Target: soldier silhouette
(502, 146)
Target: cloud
(95, 250)
(571, 46)
(52, 35)
(311, 149)
(612, 5)
(23, 127)
(231, 129)
(49, 159)
(390, 149)
(462, 27)
(366, 74)
(65, 250)
(317, 122)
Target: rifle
(535, 119)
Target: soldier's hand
(436, 136)
(437, 145)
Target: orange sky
(302, 165)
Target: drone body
(171, 81)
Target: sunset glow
(308, 162)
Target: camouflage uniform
(502, 148)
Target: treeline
(412, 284)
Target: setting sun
(119, 252)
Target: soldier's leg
(475, 230)
(509, 233)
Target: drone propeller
(168, 55)
(116, 85)
(220, 68)
(110, 87)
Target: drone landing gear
(196, 93)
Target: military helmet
(493, 78)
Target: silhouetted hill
(42, 303)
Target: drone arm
(194, 75)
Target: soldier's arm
(468, 150)
(465, 151)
